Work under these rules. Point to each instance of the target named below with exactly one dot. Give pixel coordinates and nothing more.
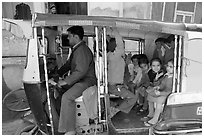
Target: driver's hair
(77, 30)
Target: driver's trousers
(67, 119)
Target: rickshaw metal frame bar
(46, 80)
(179, 64)
(105, 61)
(139, 47)
(179, 131)
(98, 73)
(175, 62)
(105, 74)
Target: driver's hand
(52, 82)
(61, 83)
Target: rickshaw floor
(127, 121)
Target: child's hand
(156, 88)
(158, 75)
(157, 92)
(149, 89)
(163, 50)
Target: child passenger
(144, 83)
(158, 94)
(155, 75)
(156, 72)
(135, 73)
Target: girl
(155, 75)
(159, 94)
(156, 72)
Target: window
(185, 12)
(184, 17)
(75, 8)
(131, 47)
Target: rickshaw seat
(86, 106)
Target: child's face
(170, 67)
(144, 66)
(135, 62)
(156, 66)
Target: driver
(82, 75)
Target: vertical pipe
(106, 75)
(139, 47)
(175, 62)
(46, 81)
(179, 64)
(143, 44)
(105, 61)
(98, 73)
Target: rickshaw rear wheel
(16, 100)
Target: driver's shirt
(81, 65)
(116, 62)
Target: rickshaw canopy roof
(118, 22)
(23, 28)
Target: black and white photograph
(101, 68)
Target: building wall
(169, 12)
(9, 8)
(140, 10)
(198, 15)
(157, 10)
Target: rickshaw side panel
(33, 93)
(192, 63)
(184, 111)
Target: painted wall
(139, 10)
(104, 9)
(12, 45)
(12, 67)
(9, 8)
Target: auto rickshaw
(182, 111)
